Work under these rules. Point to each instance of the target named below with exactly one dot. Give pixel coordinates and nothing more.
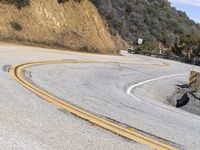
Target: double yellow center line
(17, 74)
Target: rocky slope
(73, 24)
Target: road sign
(140, 41)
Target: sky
(191, 7)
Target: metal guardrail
(166, 56)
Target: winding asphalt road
(127, 92)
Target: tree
(189, 42)
(168, 39)
(196, 50)
(152, 20)
(18, 3)
(148, 46)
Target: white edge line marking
(151, 80)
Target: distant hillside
(152, 20)
(72, 24)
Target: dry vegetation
(72, 24)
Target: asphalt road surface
(129, 90)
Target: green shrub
(16, 26)
(89, 49)
(63, 1)
(148, 46)
(18, 3)
(151, 20)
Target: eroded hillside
(73, 24)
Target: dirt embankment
(73, 24)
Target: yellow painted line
(17, 74)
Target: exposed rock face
(73, 24)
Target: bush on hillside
(63, 1)
(89, 49)
(148, 46)
(16, 26)
(152, 20)
(18, 3)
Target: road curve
(18, 75)
(93, 87)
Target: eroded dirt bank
(70, 24)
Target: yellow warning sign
(194, 79)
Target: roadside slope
(69, 24)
